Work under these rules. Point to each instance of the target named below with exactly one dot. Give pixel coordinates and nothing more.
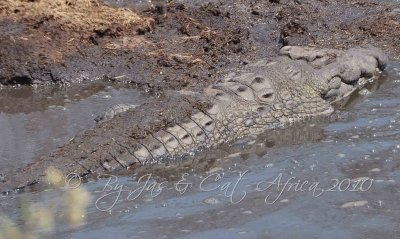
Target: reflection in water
(34, 122)
(26, 99)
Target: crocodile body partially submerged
(301, 83)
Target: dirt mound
(42, 33)
(80, 16)
(173, 45)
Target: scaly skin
(265, 95)
(299, 84)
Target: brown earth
(164, 47)
(175, 45)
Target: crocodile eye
(258, 80)
(241, 89)
(219, 94)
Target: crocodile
(300, 83)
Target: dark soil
(188, 44)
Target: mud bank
(176, 45)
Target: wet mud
(180, 44)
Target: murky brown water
(338, 179)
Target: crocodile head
(339, 73)
(301, 83)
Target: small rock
(216, 169)
(212, 201)
(364, 92)
(248, 212)
(269, 165)
(233, 155)
(354, 204)
(148, 199)
(375, 170)
(341, 155)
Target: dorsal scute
(255, 86)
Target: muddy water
(322, 179)
(35, 122)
